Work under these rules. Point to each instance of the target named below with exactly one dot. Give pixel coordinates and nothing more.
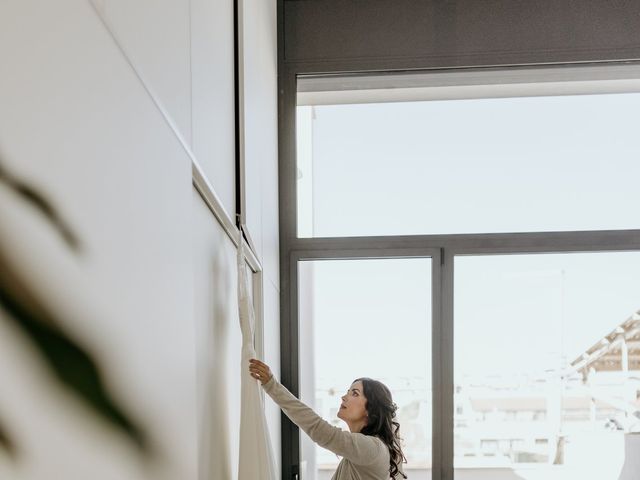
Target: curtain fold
(256, 461)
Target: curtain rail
(212, 201)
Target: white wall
(219, 345)
(184, 51)
(260, 124)
(156, 37)
(76, 123)
(213, 94)
(153, 293)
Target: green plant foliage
(5, 442)
(38, 202)
(70, 363)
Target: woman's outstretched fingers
(259, 370)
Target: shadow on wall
(215, 454)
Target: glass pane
(367, 318)
(557, 163)
(547, 365)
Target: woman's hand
(260, 370)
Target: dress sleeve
(356, 447)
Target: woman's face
(353, 406)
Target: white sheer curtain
(256, 454)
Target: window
(511, 196)
(526, 327)
(367, 318)
(530, 163)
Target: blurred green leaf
(70, 363)
(38, 202)
(6, 443)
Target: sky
(470, 166)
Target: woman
(371, 449)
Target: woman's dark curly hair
(381, 413)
